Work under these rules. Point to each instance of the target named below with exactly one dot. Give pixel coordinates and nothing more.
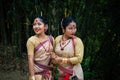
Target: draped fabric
(66, 70)
(42, 58)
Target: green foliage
(96, 26)
(55, 72)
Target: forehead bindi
(73, 24)
(37, 20)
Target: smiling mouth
(37, 30)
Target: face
(70, 29)
(38, 26)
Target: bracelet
(64, 60)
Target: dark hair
(43, 19)
(66, 21)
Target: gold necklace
(62, 42)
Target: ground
(13, 75)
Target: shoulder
(78, 40)
(31, 39)
(58, 38)
(51, 37)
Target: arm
(31, 65)
(30, 51)
(79, 51)
(56, 59)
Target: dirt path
(13, 75)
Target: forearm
(75, 60)
(31, 66)
(79, 52)
(31, 69)
(63, 60)
(66, 61)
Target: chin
(71, 35)
(37, 33)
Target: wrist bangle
(64, 60)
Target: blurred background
(97, 25)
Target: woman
(69, 51)
(39, 48)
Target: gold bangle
(64, 60)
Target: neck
(64, 37)
(41, 36)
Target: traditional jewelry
(63, 41)
(64, 60)
(62, 47)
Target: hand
(53, 55)
(32, 77)
(47, 53)
(58, 60)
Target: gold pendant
(62, 48)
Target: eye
(36, 24)
(39, 24)
(74, 28)
(70, 28)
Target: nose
(35, 26)
(73, 31)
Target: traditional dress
(72, 49)
(41, 51)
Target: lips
(72, 34)
(37, 29)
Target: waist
(43, 66)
